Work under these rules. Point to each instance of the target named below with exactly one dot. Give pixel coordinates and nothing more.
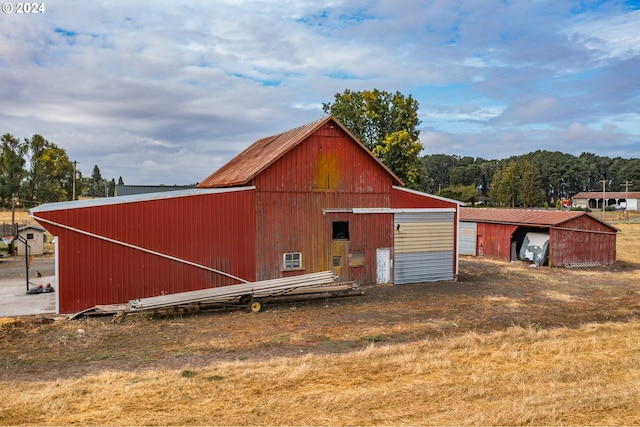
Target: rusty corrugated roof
(262, 153)
(539, 217)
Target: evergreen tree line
(35, 171)
(387, 123)
(531, 180)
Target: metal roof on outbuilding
(264, 152)
(106, 201)
(533, 217)
(130, 190)
(608, 195)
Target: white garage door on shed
(424, 246)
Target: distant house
(619, 199)
(35, 236)
(554, 238)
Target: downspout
(138, 248)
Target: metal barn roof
(105, 201)
(549, 218)
(130, 190)
(264, 152)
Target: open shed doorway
(530, 244)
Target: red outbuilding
(556, 238)
(307, 200)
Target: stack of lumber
(295, 285)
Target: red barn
(307, 200)
(554, 238)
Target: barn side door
(383, 265)
(340, 249)
(339, 253)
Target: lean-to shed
(572, 237)
(307, 200)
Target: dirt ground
(488, 296)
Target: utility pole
(14, 229)
(604, 183)
(626, 185)
(75, 164)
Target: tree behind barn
(96, 184)
(517, 184)
(12, 167)
(50, 176)
(387, 124)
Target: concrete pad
(14, 300)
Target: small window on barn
(292, 261)
(340, 230)
(29, 236)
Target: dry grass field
(20, 216)
(504, 345)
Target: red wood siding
(296, 222)
(413, 199)
(214, 230)
(326, 171)
(496, 240)
(327, 160)
(571, 245)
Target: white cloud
(611, 36)
(577, 132)
(167, 92)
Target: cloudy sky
(165, 92)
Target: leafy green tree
(400, 153)
(504, 188)
(12, 167)
(530, 189)
(466, 174)
(438, 169)
(518, 183)
(464, 193)
(487, 169)
(595, 168)
(371, 115)
(374, 117)
(50, 177)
